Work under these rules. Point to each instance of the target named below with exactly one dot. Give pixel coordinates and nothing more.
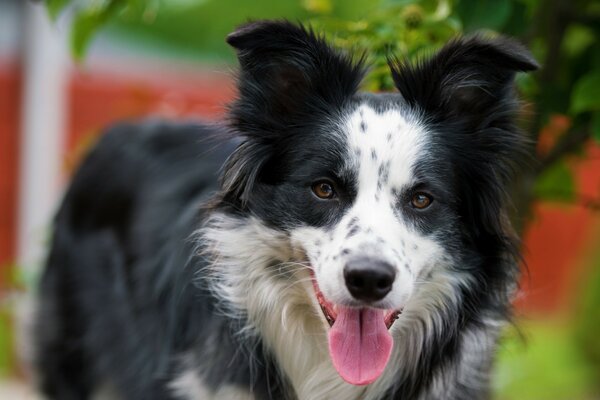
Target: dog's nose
(369, 279)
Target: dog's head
(384, 196)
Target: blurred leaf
(586, 93)
(5, 341)
(596, 126)
(588, 318)
(318, 6)
(556, 183)
(55, 7)
(577, 39)
(185, 3)
(547, 366)
(527, 84)
(518, 23)
(488, 14)
(88, 21)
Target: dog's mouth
(360, 344)
(330, 310)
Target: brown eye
(421, 200)
(323, 190)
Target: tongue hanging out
(359, 344)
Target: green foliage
(88, 21)
(406, 29)
(586, 93)
(318, 6)
(189, 28)
(90, 16)
(556, 183)
(8, 276)
(484, 14)
(588, 321)
(6, 341)
(546, 365)
(197, 30)
(55, 7)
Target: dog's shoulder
(135, 164)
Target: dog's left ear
(287, 73)
(466, 92)
(467, 78)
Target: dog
(322, 244)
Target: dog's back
(109, 273)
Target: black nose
(369, 279)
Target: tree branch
(552, 22)
(567, 144)
(589, 202)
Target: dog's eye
(421, 200)
(323, 190)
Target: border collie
(324, 244)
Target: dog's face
(377, 193)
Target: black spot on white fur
(383, 174)
(353, 221)
(353, 231)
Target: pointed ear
(287, 72)
(467, 78)
(466, 93)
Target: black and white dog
(356, 246)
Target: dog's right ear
(287, 73)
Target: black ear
(465, 93)
(289, 79)
(467, 78)
(287, 72)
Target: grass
(547, 364)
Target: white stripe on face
(388, 141)
(383, 148)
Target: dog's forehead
(385, 140)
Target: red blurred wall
(10, 102)
(98, 99)
(559, 242)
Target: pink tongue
(359, 344)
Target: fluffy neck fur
(254, 273)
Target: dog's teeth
(330, 320)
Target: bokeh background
(69, 68)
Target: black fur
(121, 300)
